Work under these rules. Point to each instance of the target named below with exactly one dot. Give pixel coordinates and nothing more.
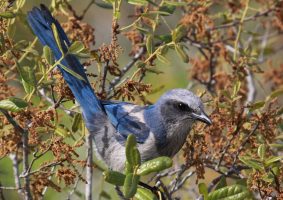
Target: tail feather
(41, 21)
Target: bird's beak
(202, 117)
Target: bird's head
(181, 107)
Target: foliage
(230, 49)
(134, 169)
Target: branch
(181, 182)
(116, 80)
(89, 170)
(15, 161)
(234, 134)
(27, 192)
(238, 22)
(24, 134)
(105, 70)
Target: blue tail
(40, 21)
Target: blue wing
(127, 118)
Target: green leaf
(162, 59)
(236, 89)
(7, 14)
(104, 194)
(178, 33)
(142, 30)
(256, 105)
(130, 185)
(168, 8)
(261, 151)
(138, 2)
(155, 165)
(47, 53)
(104, 5)
(277, 145)
(275, 94)
(132, 153)
(60, 130)
(72, 72)
(83, 53)
(114, 177)
(181, 53)
(76, 47)
(156, 12)
(251, 163)
(279, 111)
(57, 38)
(128, 168)
(203, 190)
(222, 183)
(13, 104)
(272, 160)
(149, 44)
(233, 192)
(77, 122)
(145, 194)
(19, 102)
(27, 77)
(176, 3)
(164, 38)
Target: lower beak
(203, 118)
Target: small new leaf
(252, 163)
(233, 192)
(145, 194)
(72, 72)
(272, 160)
(261, 151)
(47, 53)
(256, 106)
(13, 104)
(178, 33)
(130, 185)
(203, 190)
(155, 165)
(77, 122)
(149, 44)
(114, 177)
(76, 47)
(57, 38)
(181, 53)
(7, 14)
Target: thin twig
(49, 178)
(75, 186)
(240, 30)
(43, 167)
(245, 142)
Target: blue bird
(160, 129)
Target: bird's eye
(184, 107)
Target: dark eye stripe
(184, 107)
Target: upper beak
(203, 118)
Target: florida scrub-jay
(160, 129)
